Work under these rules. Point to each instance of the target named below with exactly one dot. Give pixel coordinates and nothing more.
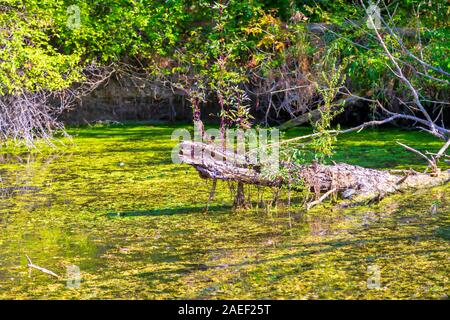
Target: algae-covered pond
(111, 203)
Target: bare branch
(430, 161)
(31, 265)
(321, 199)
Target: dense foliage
(242, 54)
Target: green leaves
(41, 48)
(28, 60)
(323, 145)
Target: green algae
(111, 202)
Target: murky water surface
(114, 207)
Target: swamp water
(112, 215)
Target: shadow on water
(128, 132)
(8, 158)
(443, 233)
(332, 246)
(165, 212)
(139, 150)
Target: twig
(444, 148)
(431, 162)
(320, 200)
(358, 128)
(31, 265)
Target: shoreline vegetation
(352, 203)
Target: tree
(355, 182)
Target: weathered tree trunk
(354, 183)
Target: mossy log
(355, 184)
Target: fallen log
(356, 184)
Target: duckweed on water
(112, 203)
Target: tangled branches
(27, 116)
(283, 90)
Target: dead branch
(321, 199)
(337, 132)
(431, 161)
(31, 265)
(27, 116)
